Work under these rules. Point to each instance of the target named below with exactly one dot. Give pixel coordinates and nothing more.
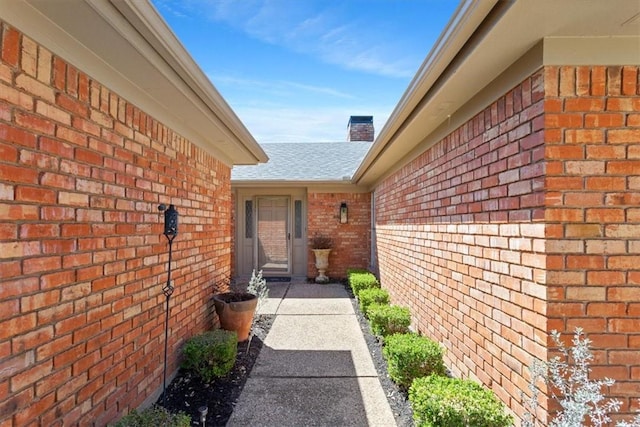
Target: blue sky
(296, 70)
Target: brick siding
(351, 241)
(592, 146)
(460, 240)
(82, 255)
(523, 220)
(360, 132)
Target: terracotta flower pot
(235, 311)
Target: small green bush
(450, 402)
(359, 280)
(410, 356)
(154, 416)
(351, 271)
(211, 354)
(388, 319)
(371, 296)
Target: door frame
(288, 232)
(244, 259)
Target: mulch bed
(187, 393)
(396, 396)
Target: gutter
(463, 24)
(118, 43)
(144, 17)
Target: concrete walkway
(314, 368)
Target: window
(248, 219)
(297, 207)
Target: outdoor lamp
(343, 213)
(204, 410)
(170, 221)
(170, 232)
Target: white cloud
(319, 29)
(281, 88)
(274, 123)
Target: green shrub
(154, 416)
(389, 319)
(211, 354)
(410, 356)
(441, 401)
(371, 296)
(359, 280)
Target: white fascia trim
(169, 47)
(464, 22)
(203, 117)
(316, 186)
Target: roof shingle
(323, 161)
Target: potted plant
(236, 309)
(321, 247)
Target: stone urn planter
(321, 247)
(322, 264)
(235, 311)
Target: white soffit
(617, 50)
(483, 43)
(126, 46)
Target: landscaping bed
(187, 392)
(397, 397)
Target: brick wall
(460, 240)
(82, 255)
(351, 241)
(360, 132)
(272, 237)
(592, 120)
(523, 220)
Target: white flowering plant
(258, 287)
(579, 396)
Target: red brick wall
(272, 246)
(82, 255)
(460, 240)
(592, 120)
(524, 220)
(352, 241)
(232, 229)
(360, 132)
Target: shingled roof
(319, 162)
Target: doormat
(278, 279)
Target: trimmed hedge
(388, 319)
(351, 271)
(451, 402)
(359, 280)
(411, 356)
(211, 354)
(371, 296)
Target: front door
(272, 249)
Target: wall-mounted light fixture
(170, 232)
(343, 213)
(170, 221)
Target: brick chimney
(360, 128)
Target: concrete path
(314, 368)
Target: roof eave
(190, 72)
(488, 41)
(286, 182)
(462, 25)
(127, 46)
(344, 186)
